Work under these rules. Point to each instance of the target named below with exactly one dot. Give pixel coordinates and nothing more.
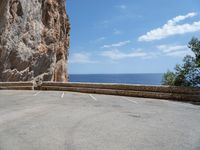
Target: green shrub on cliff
(187, 74)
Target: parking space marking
(94, 98)
(63, 94)
(37, 93)
(125, 98)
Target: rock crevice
(34, 40)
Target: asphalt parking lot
(55, 120)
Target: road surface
(55, 120)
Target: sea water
(147, 79)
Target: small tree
(168, 78)
(194, 45)
(187, 74)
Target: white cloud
(119, 44)
(117, 55)
(117, 32)
(81, 58)
(122, 6)
(175, 50)
(180, 18)
(171, 48)
(100, 39)
(181, 53)
(151, 55)
(171, 28)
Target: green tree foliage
(187, 74)
(194, 45)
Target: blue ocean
(147, 79)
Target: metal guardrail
(159, 92)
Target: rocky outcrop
(34, 40)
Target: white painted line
(129, 100)
(62, 95)
(37, 93)
(94, 98)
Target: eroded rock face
(34, 40)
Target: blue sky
(130, 36)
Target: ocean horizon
(136, 78)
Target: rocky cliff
(34, 40)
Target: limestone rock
(34, 40)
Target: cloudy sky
(130, 36)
